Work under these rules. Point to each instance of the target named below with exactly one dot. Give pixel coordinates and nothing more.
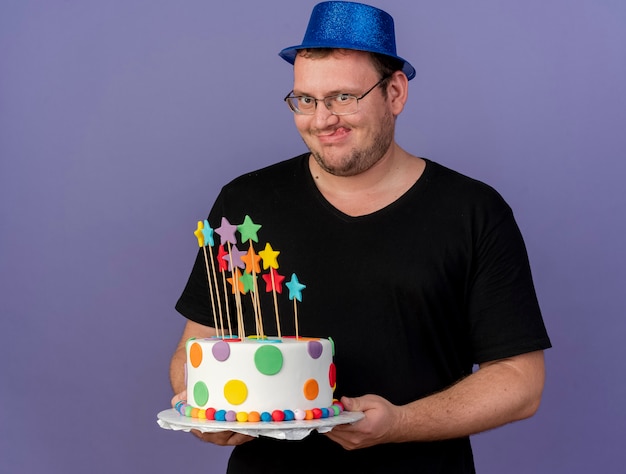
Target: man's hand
(376, 428)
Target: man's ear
(397, 92)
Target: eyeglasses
(340, 104)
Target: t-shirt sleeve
(505, 317)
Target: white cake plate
(291, 430)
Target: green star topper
(248, 230)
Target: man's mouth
(332, 135)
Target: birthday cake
(272, 379)
(254, 378)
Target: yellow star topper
(269, 256)
(198, 233)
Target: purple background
(120, 120)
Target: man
(397, 251)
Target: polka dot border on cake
(211, 414)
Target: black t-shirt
(413, 296)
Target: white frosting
(225, 371)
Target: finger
(222, 438)
(179, 397)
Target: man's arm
(500, 392)
(177, 364)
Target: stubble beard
(359, 160)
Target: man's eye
(342, 98)
(306, 101)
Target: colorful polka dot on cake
(268, 360)
(332, 376)
(221, 351)
(195, 355)
(235, 392)
(311, 389)
(200, 393)
(314, 348)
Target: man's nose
(322, 114)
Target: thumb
(351, 404)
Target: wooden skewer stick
(240, 328)
(230, 329)
(258, 306)
(295, 313)
(219, 300)
(208, 274)
(275, 302)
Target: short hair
(384, 65)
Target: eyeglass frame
(297, 111)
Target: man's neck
(373, 189)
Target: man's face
(350, 144)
